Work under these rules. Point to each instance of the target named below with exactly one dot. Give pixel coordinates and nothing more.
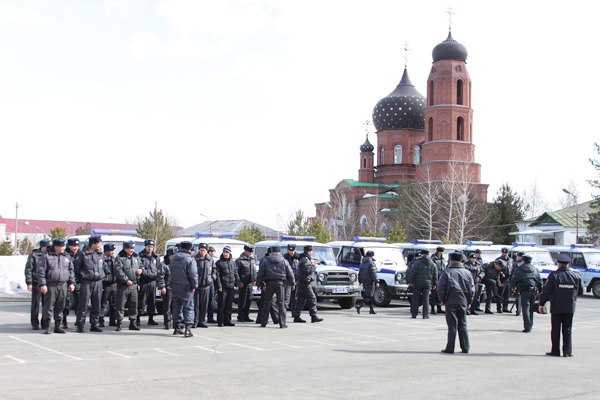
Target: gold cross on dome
(367, 123)
(449, 11)
(406, 50)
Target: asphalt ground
(347, 356)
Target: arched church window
(430, 130)
(363, 222)
(397, 154)
(365, 163)
(383, 228)
(417, 154)
(459, 92)
(430, 93)
(381, 159)
(460, 129)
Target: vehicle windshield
(386, 254)
(592, 258)
(489, 255)
(324, 255)
(540, 257)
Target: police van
(331, 281)
(116, 236)
(391, 267)
(586, 260)
(410, 250)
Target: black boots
(95, 328)
(151, 320)
(119, 328)
(358, 306)
(57, 328)
(371, 311)
(188, 331)
(298, 319)
(177, 328)
(439, 309)
(314, 318)
(65, 325)
(133, 326)
(137, 321)
(433, 310)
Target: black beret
(59, 242)
(149, 242)
(109, 246)
(249, 247)
(203, 246)
(308, 247)
(129, 245)
(424, 252)
(563, 259)
(456, 256)
(73, 242)
(526, 259)
(95, 239)
(186, 245)
(45, 242)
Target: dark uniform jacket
(126, 266)
(526, 277)
(184, 272)
(423, 272)
(150, 262)
(163, 279)
(245, 269)
(227, 275)
(73, 257)
(88, 264)
(507, 271)
(456, 285)
(292, 260)
(32, 262)
(275, 268)
(473, 268)
(207, 273)
(305, 272)
(439, 263)
(55, 269)
(367, 275)
(110, 277)
(561, 289)
(491, 272)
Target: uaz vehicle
(391, 268)
(586, 260)
(409, 250)
(331, 281)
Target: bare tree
(534, 200)
(469, 211)
(341, 213)
(448, 199)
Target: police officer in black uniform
(440, 263)
(151, 261)
(72, 251)
(504, 285)
(561, 289)
(109, 287)
(473, 266)
(367, 275)
(207, 274)
(227, 280)
(247, 273)
(32, 283)
(163, 282)
(292, 258)
(128, 268)
(305, 274)
(263, 303)
(273, 272)
(492, 275)
(89, 267)
(526, 279)
(184, 281)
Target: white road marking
(243, 345)
(355, 341)
(211, 350)
(166, 352)
(289, 345)
(314, 341)
(117, 354)
(16, 359)
(45, 348)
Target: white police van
(391, 267)
(331, 281)
(410, 250)
(586, 260)
(118, 237)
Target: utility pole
(17, 227)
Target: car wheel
(347, 302)
(382, 297)
(596, 289)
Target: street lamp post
(576, 215)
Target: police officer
(151, 261)
(504, 284)
(212, 252)
(247, 273)
(305, 274)
(455, 291)
(273, 272)
(561, 289)
(408, 268)
(518, 262)
(109, 286)
(163, 282)
(128, 268)
(423, 276)
(473, 267)
(440, 263)
(32, 283)
(492, 273)
(292, 258)
(89, 268)
(478, 285)
(227, 280)
(72, 251)
(526, 279)
(367, 275)
(54, 272)
(207, 274)
(264, 303)
(184, 281)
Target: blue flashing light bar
(479, 243)
(524, 243)
(114, 232)
(291, 237)
(210, 234)
(423, 241)
(368, 239)
(582, 245)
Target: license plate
(340, 290)
(255, 290)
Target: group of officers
(130, 280)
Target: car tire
(596, 289)
(382, 296)
(347, 302)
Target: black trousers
(244, 301)
(456, 319)
(90, 290)
(211, 303)
(183, 307)
(418, 293)
(167, 303)
(491, 292)
(527, 306)
(433, 298)
(147, 295)
(36, 296)
(504, 292)
(127, 295)
(277, 288)
(561, 322)
(290, 296)
(201, 301)
(54, 300)
(305, 294)
(271, 305)
(109, 302)
(225, 306)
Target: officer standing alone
(32, 283)
(367, 275)
(455, 291)
(526, 279)
(561, 289)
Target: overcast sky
(254, 109)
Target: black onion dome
(367, 147)
(401, 109)
(449, 49)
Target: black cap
(129, 245)
(249, 247)
(203, 246)
(275, 249)
(526, 259)
(456, 256)
(72, 242)
(186, 245)
(95, 239)
(291, 246)
(59, 242)
(308, 247)
(149, 242)
(424, 252)
(563, 259)
(45, 242)
(370, 253)
(109, 246)
(440, 248)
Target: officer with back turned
(32, 283)
(526, 279)
(440, 263)
(367, 275)
(423, 277)
(305, 274)
(274, 271)
(184, 281)
(561, 289)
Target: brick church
(419, 139)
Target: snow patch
(12, 274)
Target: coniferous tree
(156, 226)
(250, 235)
(507, 208)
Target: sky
(255, 109)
